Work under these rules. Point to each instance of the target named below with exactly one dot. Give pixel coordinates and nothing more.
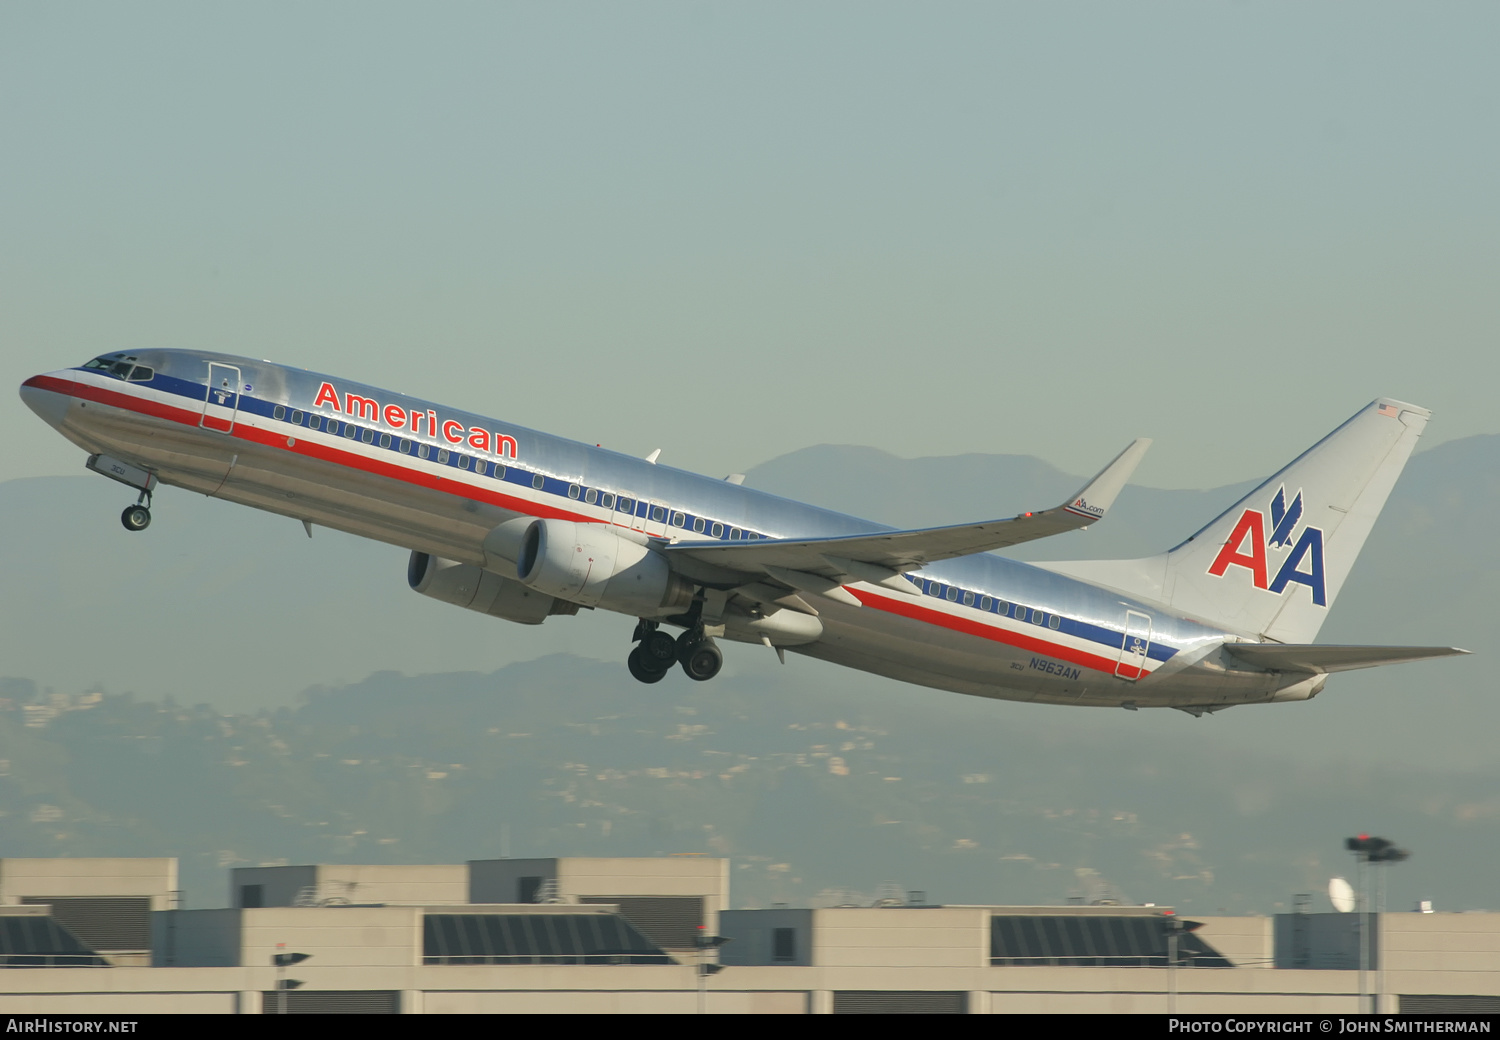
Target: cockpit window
(117, 365)
(140, 374)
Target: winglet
(1094, 498)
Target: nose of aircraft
(39, 395)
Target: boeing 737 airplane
(523, 526)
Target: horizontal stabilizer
(900, 551)
(1314, 659)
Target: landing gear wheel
(641, 670)
(659, 649)
(136, 518)
(703, 661)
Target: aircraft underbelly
(913, 651)
(323, 493)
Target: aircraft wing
(1293, 657)
(822, 564)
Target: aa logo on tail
(1249, 547)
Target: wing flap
(1316, 659)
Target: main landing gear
(656, 651)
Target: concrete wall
(1246, 941)
(939, 936)
(498, 880)
(153, 878)
(280, 886)
(1441, 942)
(434, 884)
(672, 989)
(752, 932)
(367, 937)
(195, 938)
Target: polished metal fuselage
(209, 423)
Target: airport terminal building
(611, 936)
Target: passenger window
(479, 466)
(385, 440)
(368, 436)
(499, 471)
(658, 513)
(1038, 618)
(591, 496)
(423, 451)
(1001, 606)
(968, 599)
(333, 427)
(607, 500)
(278, 412)
(951, 594)
(1054, 621)
(734, 534)
(538, 481)
(678, 520)
(698, 524)
(405, 446)
(297, 417)
(463, 462)
(314, 421)
(350, 430)
(627, 505)
(574, 491)
(443, 456)
(984, 604)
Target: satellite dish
(1341, 895)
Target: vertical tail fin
(1273, 564)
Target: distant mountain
(809, 779)
(236, 608)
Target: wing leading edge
(882, 558)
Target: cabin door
(221, 403)
(1135, 643)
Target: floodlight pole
(702, 981)
(1174, 930)
(1362, 865)
(1172, 972)
(1379, 946)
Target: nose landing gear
(136, 517)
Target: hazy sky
(731, 231)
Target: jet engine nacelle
(593, 565)
(465, 585)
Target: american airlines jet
(524, 526)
